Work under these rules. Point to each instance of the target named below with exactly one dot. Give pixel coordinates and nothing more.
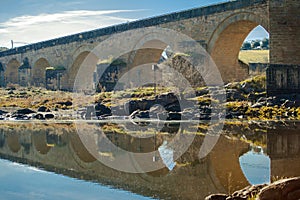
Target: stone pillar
(283, 148)
(283, 73)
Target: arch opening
(255, 51)
(90, 61)
(11, 72)
(143, 64)
(39, 72)
(225, 44)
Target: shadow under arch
(227, 39)
(148, 52)
(39, 72)
(11, 72)
(13, 143)
(86, 60)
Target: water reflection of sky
(23, 182)
(256, 167)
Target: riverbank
(245, 100)
(285, 189)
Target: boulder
(217, 197)
(43, 109)
(65, 103)
(156, 110)
(2, 112)
(174, 116)
(49, 116)
(286, 189)
(140, 114)
(166, 99)
(24, 111)
(102, 110)
(39, 116)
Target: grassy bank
(254, 56)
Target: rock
(246, 88)
(66, 103)
(286, 189)
(43, 109)
(246, 192)
(102, 110)
(156, 110)
(39, 116)
(20, 117)
(134, 105)
(166, 99)
(217, 197)
(10, 92)
(174, 116)
(24, 111)
(174, 107)
(49, 116)
(3, 112)
(237, 198)
(140, 114)
(259, 105)
(234, 95)
(202, 92)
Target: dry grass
(254, 56)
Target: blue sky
(31, 21)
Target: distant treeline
(3, 48)
(256, 44)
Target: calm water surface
(57, 161)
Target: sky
(30, 21)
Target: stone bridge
(220, 29)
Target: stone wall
(283, 73)
(283, 79)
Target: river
(67, 160)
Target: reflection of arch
(38, 72)
(80, 149)
(2, 139)
(90, 64)
(40, 143)
(11, 72)
(225, 166)
(226, 41)
(13, 142)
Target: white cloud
(41, 27)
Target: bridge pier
(283, 73)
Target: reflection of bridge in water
(58, 148)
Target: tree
(265, 43)
(3, 48)
(256, 44)
(246, 46)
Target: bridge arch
(225, 43)
(11, 72)
(39, 72)
(90, 64)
